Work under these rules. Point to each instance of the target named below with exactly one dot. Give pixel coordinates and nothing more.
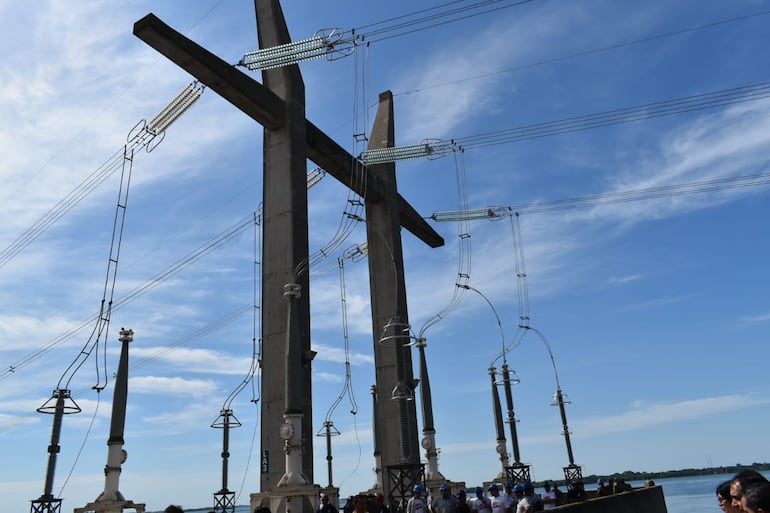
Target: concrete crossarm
(265, 107)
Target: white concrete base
(288, 499)
(110, 507)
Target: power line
(424, 22)
(619, 116)
(665, 191)
(614, 46)
(162, 276)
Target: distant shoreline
(631, 475)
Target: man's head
(173, 509)
(494, 490)
(479, 492)
(418, 490)
(359, 504)
(547, 486)
(740, 482)
(723, 497)
(518, 491)
(756, 497)
(461, 495)
(444, 489)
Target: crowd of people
(747, 492)
(510, 498)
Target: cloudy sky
(655, 307)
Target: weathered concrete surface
(265, 107)
(393, 361)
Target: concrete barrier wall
(640, 500)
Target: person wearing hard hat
(417, 503)
(481, 504)
(445, 502)
(509, 497)
(522, 506)
(499, 504)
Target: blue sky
(657, 311)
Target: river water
(695, 494)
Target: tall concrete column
(393, 362)
(286, 384)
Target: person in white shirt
(417, 503)
(499, 504)
(522, 506)
(481, 504)
(548, 496)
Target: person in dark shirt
(462, 502)
(380, 506)
(348, 505)
(577, 491)
(601, 489)
(326, 506)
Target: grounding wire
(522, 288)
(255, 352)
(592, 51)
(464, 248)
(251, 375)
(354, 207)
(358, 459)
(347, 388)
(499, 325)
(257, 345)
(100, 333)
(550, 354)
(257, 302)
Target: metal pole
(328, 426)
(501, 448)
(53, 448)
(225, 447)
(565, 428)
(511, 415)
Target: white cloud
(654, 303)
(622, 280)
(192, 360)
(756, 318)
(645, 414)
(172, 386)
(337, 355)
